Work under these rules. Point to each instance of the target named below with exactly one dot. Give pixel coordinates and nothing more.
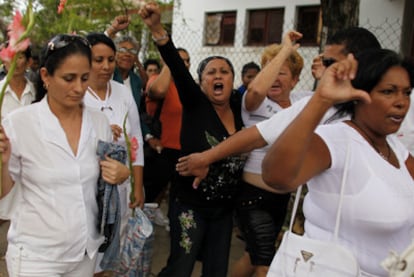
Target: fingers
(346, 69)
(196, 182)
(116, 131)
(113, 171)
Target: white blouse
(57, 215)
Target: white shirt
(57, 217)
(265, 111)
(12, 102)
(271, 128)
(121, 102)
(377, 212)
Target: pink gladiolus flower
(134, 147)
(6, 54)
(61, 6)
(16, 30)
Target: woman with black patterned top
(201, 217)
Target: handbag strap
(338, 212)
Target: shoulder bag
(302, 256)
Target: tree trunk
(337, 15)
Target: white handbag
(303, 256)
(400, 265)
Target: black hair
(250, 65)
(202, 65)
(354, 40)
(151, 61)
(96, 38)
(182, 49)
(52, 56)
(372, 65)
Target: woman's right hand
(335, 85)
(5, 146)
(290, 38)
(150, 14)
(193, 165)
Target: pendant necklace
(371, 142)
(104, 104)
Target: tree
(337, 15)
(78, 16)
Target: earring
(45, 86)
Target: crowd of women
(240, 153)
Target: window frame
(227, 32)
(267, 15)
(303, 26)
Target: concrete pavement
(161, 250)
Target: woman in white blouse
(115, 101)
(49, 156)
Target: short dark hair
(354, 40)
(202, 65)
(96, 38)
(250, 65)
(151, 61)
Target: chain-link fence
(388, 33)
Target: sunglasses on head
(327, 62)
(132, 51)
(61, 41)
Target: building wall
(188, 26)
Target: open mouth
(218, 87)
(397, 118)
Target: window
(220, 28)
(265, 26)
(309, 23)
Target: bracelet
(165, 36)
(148, 137)
(112, 28)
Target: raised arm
(158, 88)
(120, 22)
(299, 154)
(258, 88)
(187, 88)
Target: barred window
(309, 23)
(265, 26)
(220, 28)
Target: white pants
(20, 266)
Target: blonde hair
(295, 61)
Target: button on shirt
(12, 102)
(57, 218)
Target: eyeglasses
(132, 51)
(327, 62)
(61, 41)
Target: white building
(239, 29)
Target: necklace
(371, 142)
(105, 101)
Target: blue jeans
(198, 233)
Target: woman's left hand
(138, 199)
(113, 171)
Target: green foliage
(78, 16)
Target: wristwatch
(148, 137)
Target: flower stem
(132, 178)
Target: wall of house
(382, 17)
